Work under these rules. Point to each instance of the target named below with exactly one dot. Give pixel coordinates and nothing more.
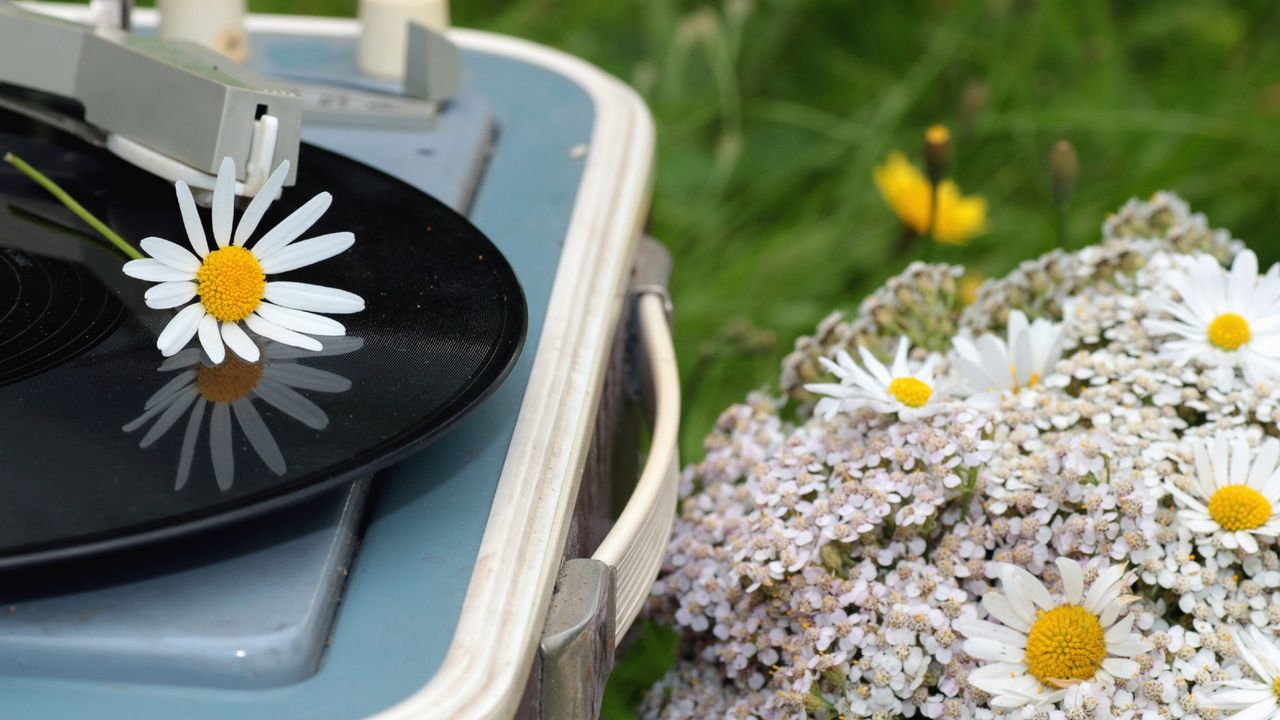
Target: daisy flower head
(1250, 699)
(990, 365)
(1233, 494)
(229, 282)
(903, 387)
(1038, 645)
(1225, 319)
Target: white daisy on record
(229, 282)
(1039, 645)
(1233, 495)
(990, 365)
(229, 390)
(1250, 699)
(903, 387)
(1226, 319)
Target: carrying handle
(635, 545)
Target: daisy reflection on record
(228, 390)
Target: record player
(414, 520)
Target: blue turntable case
(344, 607)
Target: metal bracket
(578, 641)
(652, 273)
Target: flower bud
(937, 152)
(1064, 166)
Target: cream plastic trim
(635, 544)
(484, 672)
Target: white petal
(260, 203)
(170, 416)
(1264, 645)
(153, 270)
(307, 252)
(1128, 648)
(211, 339)
(981, 629)
(1238, 698)
(191, 219)
(301, 321)
(239, 342)
(1120, 630)
(170, 294)
(874, 367)
(1072, 579)
(182, 359)
(332, 346)
(1120, 667)
(291, 227)
(224, 202)
(317, 298)
(1232, 697)
(1027, 584)
(1264, 464)
(1246, 650)
(220, 449)
(292, 404)
(1002, 609)
(987, 649)
(900, 366)
(181, 328)
(170, 254)
(1218, 455)
(271, 331)
(170, 389)
(307, 378)
(1102, 587)
(189, 444)
(259, 436)
(1239, 472)
(150, 412)
(1260, 711)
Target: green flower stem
(73, 206)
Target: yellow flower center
(910, 391)
(1239, 507)
(228, 381)
(230, 283)
(1275, 686)
(1229, 331)
(1066, 643)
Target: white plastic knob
(216, 24)
(384, 27)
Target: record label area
(104, 442)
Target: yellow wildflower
(908, 193)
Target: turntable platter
(105, 443)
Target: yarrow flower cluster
(1062, 502)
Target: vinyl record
(105, 443)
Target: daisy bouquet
(1061, 501)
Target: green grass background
(771, 115)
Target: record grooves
(104, 443)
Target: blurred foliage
(771, 115)
(652, 651)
